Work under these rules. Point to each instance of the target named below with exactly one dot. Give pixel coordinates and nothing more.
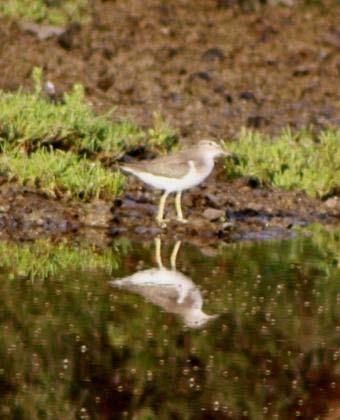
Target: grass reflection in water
(73, 346)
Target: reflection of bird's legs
(174, 255)
(158, 245)
(180, 217)
(161, 206)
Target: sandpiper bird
(177, 172)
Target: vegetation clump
(56, 146)
(55, 13)
(292, 161)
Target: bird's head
(212, 149)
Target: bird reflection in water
(169, 289)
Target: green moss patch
(291, 161)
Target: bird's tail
(127, 168)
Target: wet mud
(217, 211)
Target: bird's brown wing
(174, 166)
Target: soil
(217, 211)
(209, 68)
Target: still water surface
(171, 330)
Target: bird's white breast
(192, 178)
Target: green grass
(59, 13)
(59, 173)
(62, 148)
(57, 147)
(32, 120)
(291, 161)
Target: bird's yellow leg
(174, 255)
(158, 245)
(180, 217)
(161, 208)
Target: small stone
(42, 31)
(215, 200)
(213, 214)
(332, 203)
(4, 208)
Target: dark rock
(148, 230)
(67, 39)
(301, 71)
(214, 53)
(225, 4)
(117, 230)
(105, 82)
(247, 96)
(253, 182)
(204, 75)
(256, 121)
(228, 98)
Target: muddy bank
(217, 211)
(209, 67)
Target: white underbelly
(191, 179)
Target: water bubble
(83, 348)
(216, 405)
(83, 414)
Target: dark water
(235, 331)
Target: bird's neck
(207, 163)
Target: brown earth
(217, 211)
(209, 68)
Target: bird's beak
(226, 154)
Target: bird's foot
(182, 220)
(162, 222)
